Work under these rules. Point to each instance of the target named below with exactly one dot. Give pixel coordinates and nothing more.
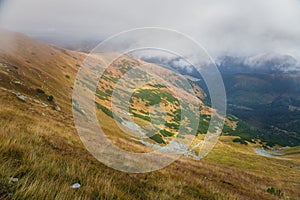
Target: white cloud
(239, 27)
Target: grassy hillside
(40, 146)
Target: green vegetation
(240, 140)
(107, 112)
(172, 125)
(146, 113)
(203, 124)
(101, 95)
(44, 152)
(40, 91)
(274, 191)
(149, 96)
(166, 133)
(144, 117)
(154, 96)
(104, 109)
(177, 115)
(157, 138)
(263, 102)
(250, 133)
(50, 98)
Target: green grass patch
(157, 138)
(166, 133)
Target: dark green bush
(157, 138)
(166, 133)
(274, 191)
(240, 140)
(50, 98)
(40, 91)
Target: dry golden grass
(46, 154)
(48, 157)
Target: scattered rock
(18, 83)
(13, 180)
(23, 98)
(77, 107)
(210, 179)
(36, 101)
(57, 108)
(44, 104)
(76, 186)
(43, 114)
(20, 96)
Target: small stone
(57, 108)
(44, 104)
(75, 186)
(18, 83)
(21, 97)
(13, 180)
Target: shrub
(172, 125)
(166, 133)
(146, 118)
(50, 98)
(108, 112)
(39, 90)
(240, 140)
(157, 138)
(274, 191)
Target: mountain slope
(267, 101)
(40, 147)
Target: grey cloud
(238, 27)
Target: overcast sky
(238, 27)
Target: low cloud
(231, 27)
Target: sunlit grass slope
(40, 147)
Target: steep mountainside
(42, 156)
(267, 101)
